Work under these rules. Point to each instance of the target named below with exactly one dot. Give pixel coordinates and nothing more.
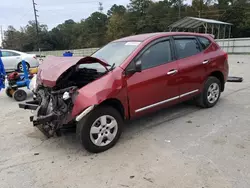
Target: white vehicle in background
(12, 60)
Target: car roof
(143, 37)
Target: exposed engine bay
(79, 76)
(53, 106)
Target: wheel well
(116, 104)
(220, 76)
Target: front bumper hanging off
(34, 105)
(29, 105)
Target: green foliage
(116, 9)
(140, 16)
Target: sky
(51, 12)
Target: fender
(109, 86)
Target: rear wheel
(20, 95)
(211, 93)
(20, 66)
(101, 129)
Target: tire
(203, 99)
(93, 122)
(10, 91)
(19, 67)
(20, 95)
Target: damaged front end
(58, 83)
(52, 109)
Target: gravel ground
(183, 146)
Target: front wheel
(211, 93)
(101, 129)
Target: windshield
(116, 52)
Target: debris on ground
(234, 79)
(124, 185)
(148, 179)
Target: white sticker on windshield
(133, 43)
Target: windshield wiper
(112, 67)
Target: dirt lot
(181, 147)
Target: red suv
(125, 79)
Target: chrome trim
(165, 101)
(156, 104)
(84, 113)
(189, 93)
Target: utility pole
(201, 8)
(37, 31)
(100, 8)
(179, 9)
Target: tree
(116, 27)
(139, 6)
(13, 39)
(116, 9)
(141, 16)
(96, 27)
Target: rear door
(156, 85)
(191, 62)
(10, 59)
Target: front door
(10, 60)
(156, 85)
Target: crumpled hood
(53, 67)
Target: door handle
(172, 72)
(205, 62)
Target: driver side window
(158, 54)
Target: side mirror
(138, 66)
(133, 68)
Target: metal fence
(76, 52)
(231, 46)
(235, 45)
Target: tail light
(34, 57)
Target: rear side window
(204, 42)
(9, 54)
(186, 47)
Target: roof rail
(210, 35)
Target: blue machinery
(23, 81)
(12, 90)
(24, 77)
(2, 73)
